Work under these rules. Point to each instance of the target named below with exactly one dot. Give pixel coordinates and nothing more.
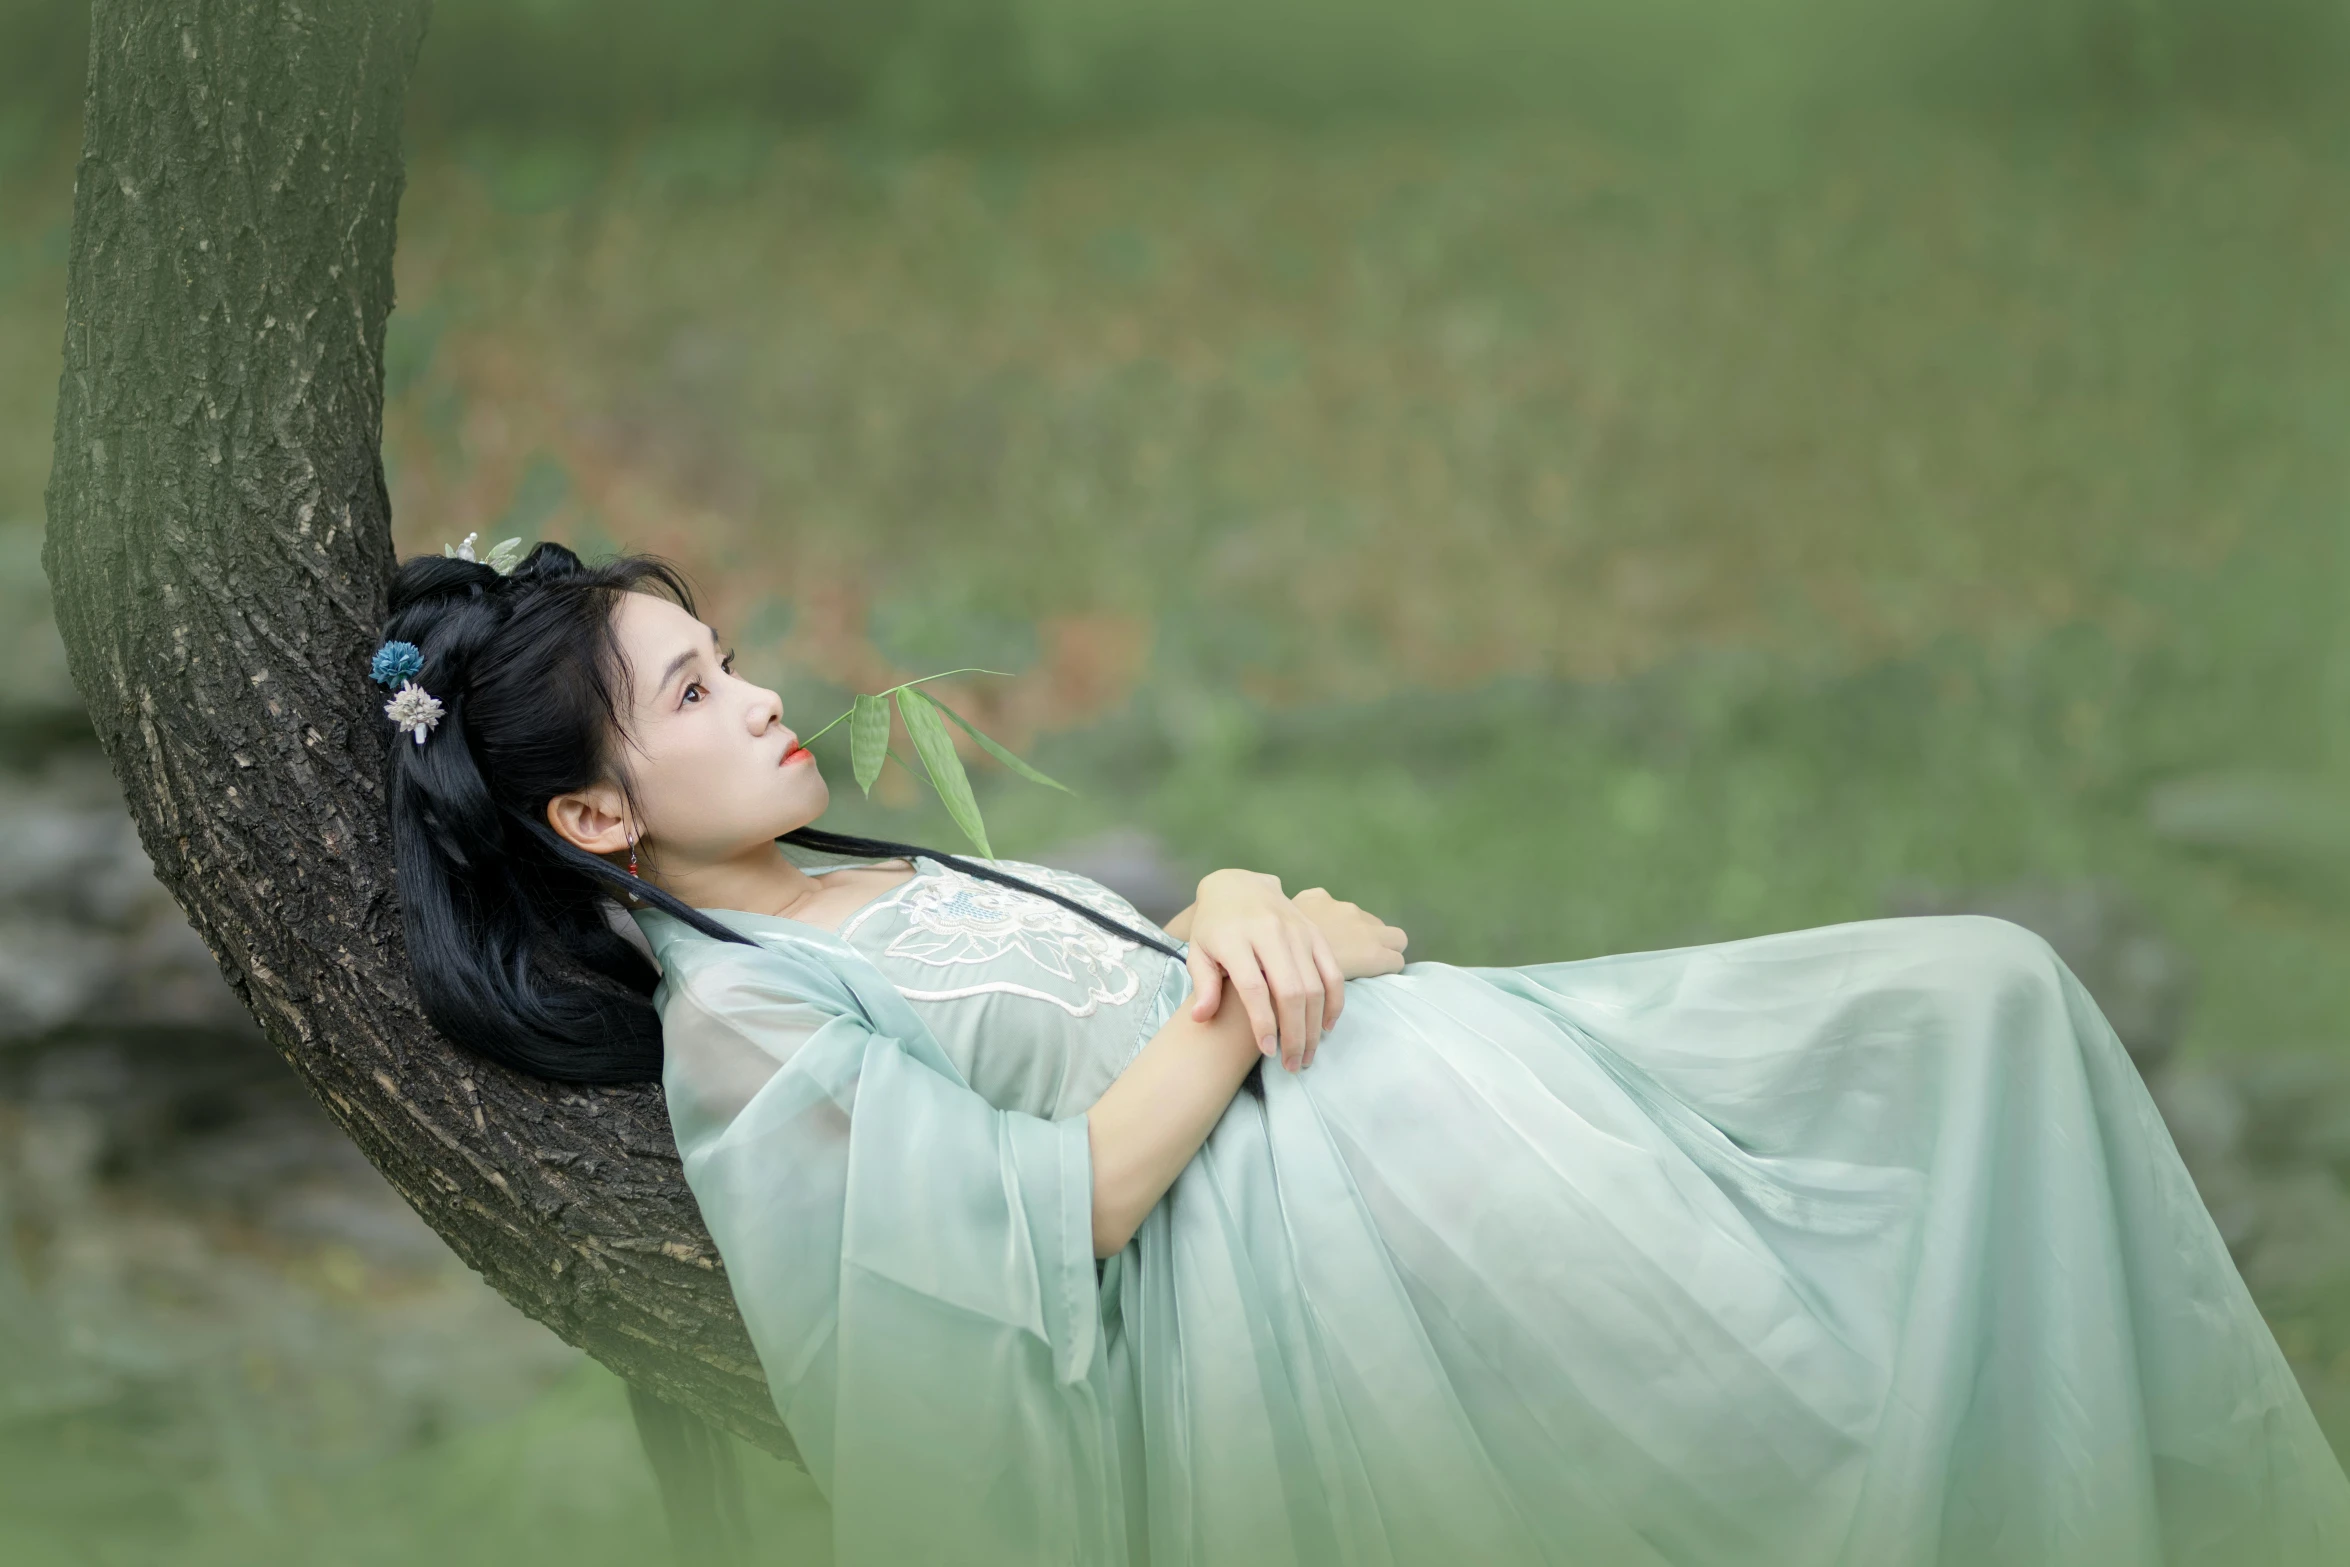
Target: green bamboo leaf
(937, 749)
(998, 752)
(868, 739)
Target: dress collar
(819, 968)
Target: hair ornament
(396, 662)
(503, 557)
(413, 709)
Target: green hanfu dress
(1862, 1245)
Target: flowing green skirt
(1860, 1245)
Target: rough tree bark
(219, 545)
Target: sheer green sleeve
(915, 1265)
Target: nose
(766, 710)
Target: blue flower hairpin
(395, 662)
(412, 709)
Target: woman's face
(713, 772)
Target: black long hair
(510, 927)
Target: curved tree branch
(219, 545)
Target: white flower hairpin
(413, 709)
(503, 557)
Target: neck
(757, 881)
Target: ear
(594, 819)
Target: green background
(1571, 477)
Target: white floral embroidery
(953, 920)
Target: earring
(632, 857)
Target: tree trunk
(219, 544)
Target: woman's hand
(1245, 932)
(1363, 943)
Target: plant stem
(894, 690)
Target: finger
(1316, 996)
(1288, 1002)
(1310, 1000)
(1334, 983)
(1393, 936)
(1207, 984)
(1249, 984)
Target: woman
(1859, 1245)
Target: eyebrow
(683, 659)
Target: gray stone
(2287, 1100)
(2205, 1114)
(2303, 1244)
(2298, 821)
(37, 688)
(88, 936)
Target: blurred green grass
(1559, 544)
(561, 1481)
(1560, 534)
(1657, 67)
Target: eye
(726, 664)
(694, 691)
